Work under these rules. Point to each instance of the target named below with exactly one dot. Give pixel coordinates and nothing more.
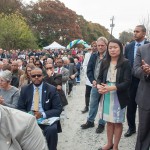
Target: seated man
(43, 100)
(19, 130)
(65, 73)
(56, 80)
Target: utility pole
(112, 26)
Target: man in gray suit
(70, 65)
(19, 131)
(142, 71)
(65, 73)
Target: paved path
(74, 138)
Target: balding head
(14, 66)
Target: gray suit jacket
(19, 131)
(143, 93)
(65, 74)
(72, 71)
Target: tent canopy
(54, 45)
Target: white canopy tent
(54, 45)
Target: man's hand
(49, 72)
(94, 83)
(59, 87)
(145, 67)
(37, 114)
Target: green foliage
(125, 37)
(49, 20)
(15, 33)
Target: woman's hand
(101, 88)
(104, 88)
(1, 100)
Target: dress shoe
(100, 128)
(106, 149)
(129, 133)
(87, 125)
(86, 109)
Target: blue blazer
(129, 52)
(50, 100)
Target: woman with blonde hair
(25, 78)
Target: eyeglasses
(36, 75)
(49, 68)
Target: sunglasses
(37, 64)
(36, 75)
(49, 68)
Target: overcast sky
(127, 13)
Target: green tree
(125, 37)
(15, 33)
(53, 21)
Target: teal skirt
(111, 110)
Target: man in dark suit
(142, 71)
(43, 100)
(130, 52)
(56, 80)
(2, 54)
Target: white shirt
(85, 64)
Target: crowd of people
(39, 83)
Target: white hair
(6, 75)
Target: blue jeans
(93, 107)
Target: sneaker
(100, 128)
(87, 125)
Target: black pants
(132, 106)
(50, 132)
(70, 87)
(87, 95)
(143, 138)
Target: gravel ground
(74, 138)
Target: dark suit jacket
(129, 52)
(55, 80)
(123, 80)
(2, 55)
(91, 66)
(50, 100)
(143, 93)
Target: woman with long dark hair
(113, 82)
